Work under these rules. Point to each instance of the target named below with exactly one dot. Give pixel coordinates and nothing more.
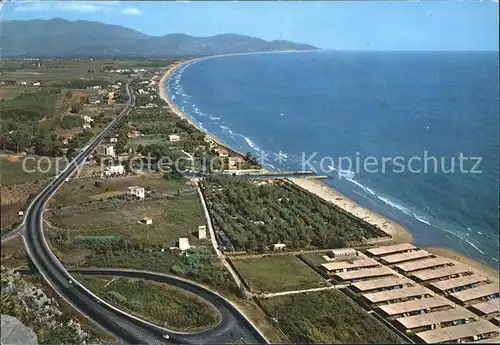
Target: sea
(413, 136)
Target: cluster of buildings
(22, 83)
(429, 297)
(148, 86)
(126, 70)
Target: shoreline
(162, 90)
(322, 190)
(398, 233)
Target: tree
(68, 94)
(248, 156)
(76, 108)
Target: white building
(343, 253)
(222, 152)
(110, 150)
(173, 137)
(113, 140)
(136, 191)
(87, 119)
(114, 170)
(202, 232)
(279, 246)
(36, 84)
(147, 220)
(184, 243)
(86, 126)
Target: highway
(125, 327)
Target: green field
(278, 273)
(172, 218)
(146, 140)
(108, 233)
(10, 91)
(16, 169)
(317, 258)
(158, 303)
(326, 317)
(59, 70)
(79, 191)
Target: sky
(389, 25)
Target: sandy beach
(162, 89)
(315, 186)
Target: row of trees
(254, 217)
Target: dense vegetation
(70, 122)
(326, 317)
(178, 309)
(20, 120)
(163, 122)
(256, 216)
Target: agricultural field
(22, 177)
(61, 71)
(317, 258)
(85, 231)
(45, 99)
(277, 273)
(19, 169)
(179, 310)
(84, 190)
(35, 121)
(172, 218)
(256, 216)
(145, 140)
(326, 317)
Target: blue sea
(323, 109)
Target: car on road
(166, 336)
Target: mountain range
(63, 38)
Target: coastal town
(123, 220)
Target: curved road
(124, 326)
(233, 325)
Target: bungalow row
(481, 293)
(346, 266)
(404, 257)
(458, 284)
(471, 331)
(435, 274)
(397, 295)
(412, 266)
(488, 309)
(415, 307)
(439, 319)
(382, 284)
(393, 249)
